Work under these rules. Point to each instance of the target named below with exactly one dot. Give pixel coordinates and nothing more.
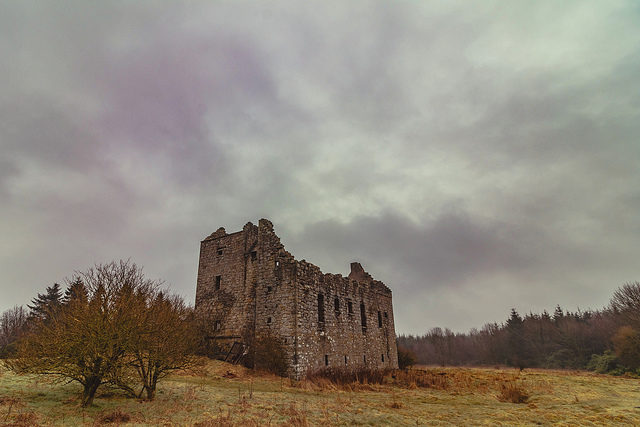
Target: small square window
(269, 289)
(219, 252)
(254, 255)
(268, 319)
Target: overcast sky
(474, 156)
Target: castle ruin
(249, 286)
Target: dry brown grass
(297, 416)
(9, 400)
(114, 417)
(453, 380)
(24, 419)
(223, 420)
(429, 395)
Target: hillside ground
(219, 394)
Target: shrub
(603, 363)
(626, 342)
(512, 392)
(268, 354)
(406, 358)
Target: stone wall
(249, 286)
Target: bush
(626, 342)
(512, 392)
(603, 363)
(268, 354)
(406, 358)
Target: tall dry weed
(297, 416)
(332, 379)
(513, 392)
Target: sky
(474, 156)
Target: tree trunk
(153, 381)
(151, 392)
(90, 388)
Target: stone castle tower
(249, 286)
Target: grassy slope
(468, 398)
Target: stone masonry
(249, 286)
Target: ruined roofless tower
(249, 286)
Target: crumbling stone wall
(249, 286)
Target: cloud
(475, 157)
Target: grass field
(222, 395)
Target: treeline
(110, 327)
(606, 340)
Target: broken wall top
(357, 274)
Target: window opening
(268, 319)
(254, 255)
(218, 282)
(320, 308)
(268, 289)
(363, 318)
(336, 304)
(382, 358)
(217, 325)
(379, 320)
(345, 359)
(326, 360)
(350, 307)
(219, 251)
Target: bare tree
(626, 302)
(88, 338)
(13, 323)
(165, 339)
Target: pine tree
(515, 339)
(558, 314)
(44, 304)
(75, 291)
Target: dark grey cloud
(475, 157)
(454, 255)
